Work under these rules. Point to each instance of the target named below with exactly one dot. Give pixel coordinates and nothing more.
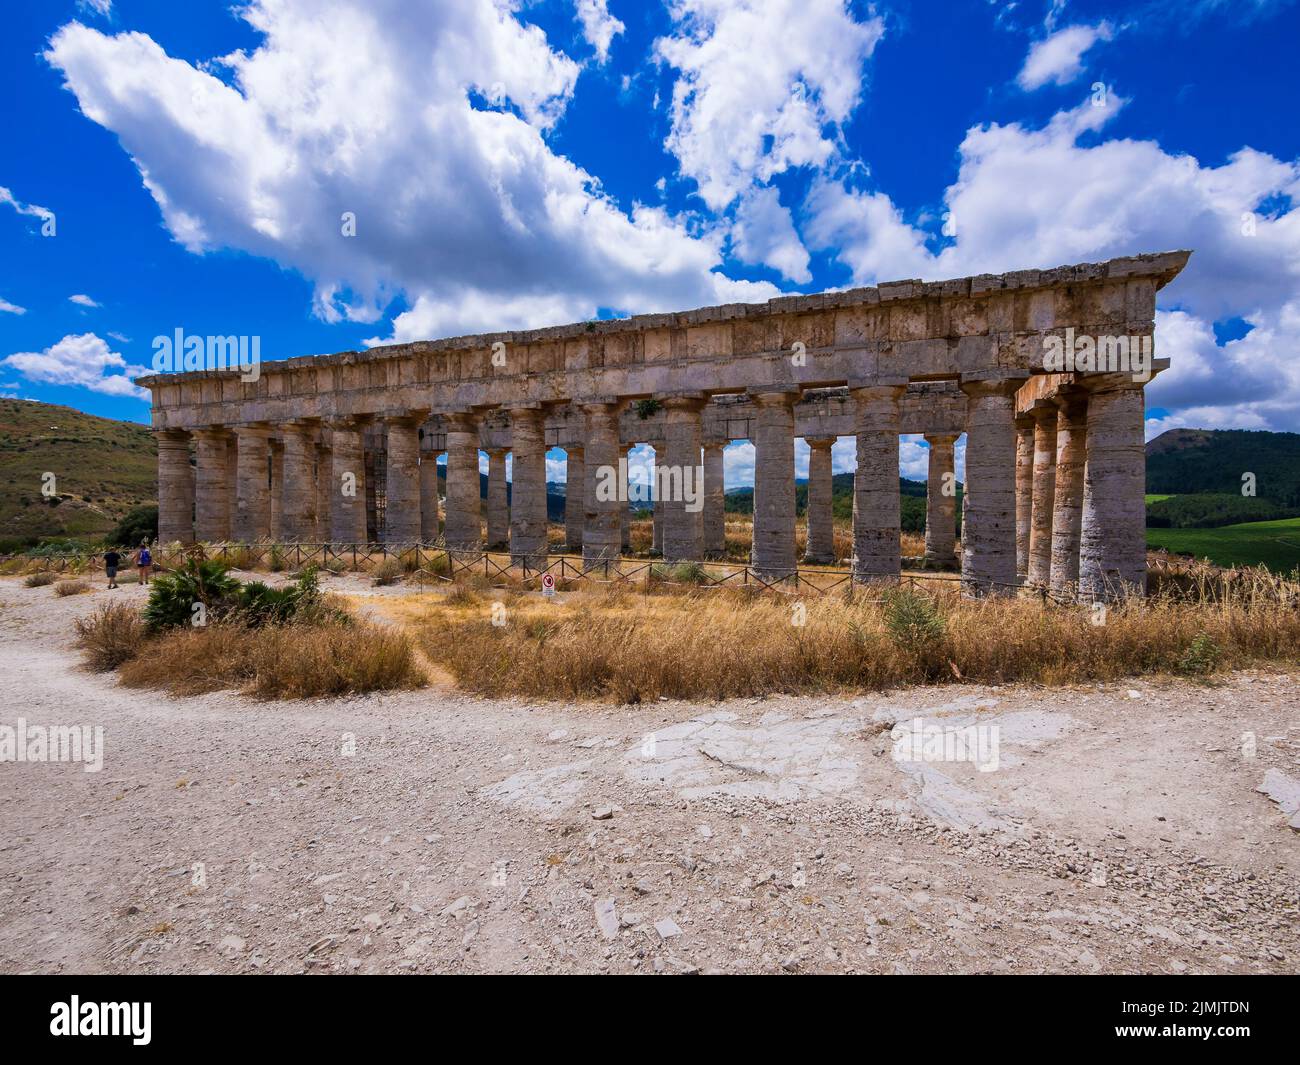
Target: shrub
(63, 588)
(172, 595)
(1202, 656)
(139, 523)
(912, 621)
(111, 636)
(386, 571)
(39, 580)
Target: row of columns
(1053, 499)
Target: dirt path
(1120, 832)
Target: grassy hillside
(1187, 461)
(1275, 544)
(101, 469)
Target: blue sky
(524, 164)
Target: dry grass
(277, 662)
(111, 636)
(39, 580)
(620, 646)
(62, 588)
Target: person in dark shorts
(144, 560)
(111, 561)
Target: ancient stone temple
(1039, 369)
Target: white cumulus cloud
(599, 27)
(419, 126)
(1058, 58)
(81, 360)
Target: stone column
(941, 502)
(528, 488)
(347, 482)
(175, 488)
(252, 519)
(877, 508)
(212, 486)
(715, 499)
(989, 507)
(461, 525)
(773, 553)
(625, 512)
(683, 528)
(324, 497)
(1067, 512)
(1044, 495)
(232, 478)
(575, 509)
(1024, 489)
(602, 538)
(429, 496)
(820, 547)
(298, 491)
(657, 510)
(277, 489)
(402, 476)
(1112, 547)
(498, 501)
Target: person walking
(112, 559)
(144, 560)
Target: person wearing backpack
(144, 560)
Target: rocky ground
(1122, 830)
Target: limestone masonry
(341, 448)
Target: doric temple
(343, 448)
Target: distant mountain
(1200, 461)
(96, 469)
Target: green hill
(1205, 461)
(101, 468)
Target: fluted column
(820, 546)
(1067, 512)
(772, 553)
(1044, 495)
(461, 526)
(877, 517)
(575, 509)
(252, 519)
(402, 476)
(277, 490)
(232, 478)
(498, 501)
(715, 499)
(1112, 549)
(175, 488)
(602, 538)
(528, 488)
(298, 494)
(212, 486)
(941, 502)
(989, 506)
(347, 482)
(429, 496)
(683, 527)
(1024, 425)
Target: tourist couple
(142, 558)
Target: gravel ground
(1122, 830)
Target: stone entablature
(902, 330)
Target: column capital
(211, 432)
(348, 422)
(172, 437)
(996, 384)
(708, 445)
(407, 417)
(690, 402)
(257, 429)
(876, 392)
(461, 421)
(941, 439)
(773, 395)
(1044, 412)
(818, 443)
(492, 452)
